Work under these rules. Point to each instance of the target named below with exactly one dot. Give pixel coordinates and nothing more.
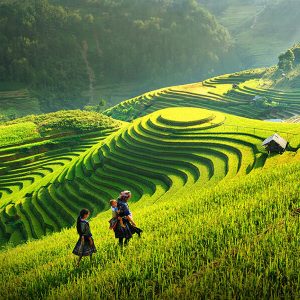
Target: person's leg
(91, 256)
(79, 259)
(121, 242)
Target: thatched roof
(277, 139)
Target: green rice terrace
(44, 185)
(17, 101)
(187, 109)
(252, 94)
(219, 214)
(208, 228)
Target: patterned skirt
(84, 248)
(127, 231)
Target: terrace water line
(274, 120)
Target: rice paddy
(17, 102)
(155, 156)
(239, 237)
(220, 215)
(247, 94)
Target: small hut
(275, 144)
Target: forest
(63, 46)
(74, 53)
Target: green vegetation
(76, 121)
(61, 49)
(290, 62)
(258, 94)
(33, 151)
(238, 238)
(220, 215)
(69, 52)
(18, 133)
(16, 102)
(261, 28)
(28, 167)
(286, 60)
(155, 156)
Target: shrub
(286, 60)
(296, 52)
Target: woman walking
(85, 245)
(124, 232)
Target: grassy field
(235, 239)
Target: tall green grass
(238, 239)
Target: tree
(286, 60)
(296, 52)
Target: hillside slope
(261, 29)
(258, 94)
(68, 50)
(155, 157)
(36, 148)
(237, 238)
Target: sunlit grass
(239, 237)
(18, 133)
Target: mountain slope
(239, 237)
(66, 49)
(155, 157)
(261, 29)
(258, 94)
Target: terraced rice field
(18, 103)
(26, 167)
(295, 119)
(155, 157)
(237, 237)
(217, 94)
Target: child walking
(85, 245)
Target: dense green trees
(296, 52)
(290, 58)
(38, 45)
(286, 60)
(62, 45)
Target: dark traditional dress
(127, 231)
(84, 248)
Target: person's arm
(128, 215)
(129, 218)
